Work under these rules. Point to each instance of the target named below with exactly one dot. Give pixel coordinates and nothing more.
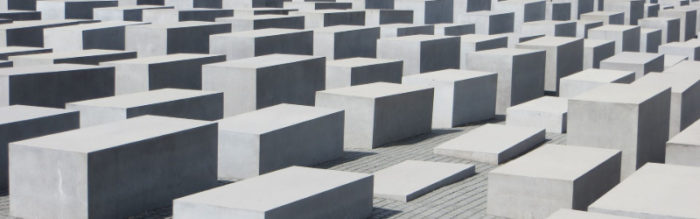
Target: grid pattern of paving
(464, 199)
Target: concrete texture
(626, 37)
(685, 97)
(85, 57)
(683, 148)
(421, 53)
(181, 37)
(411, 179)
(595, 51)
(103, 35)
(670, 27)
(589, 79)
(564, 57)
(639, 63)
(477, 42)
(357, 71)
(246, 44)
(245, 23)
(345, 41)
(544, 112)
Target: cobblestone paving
(464, 199)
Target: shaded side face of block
(474, 100)
(359, 117)
(347, 18)
(295, 22)
(55, 89)
(439, 54)
(603, 52)
(385, 72)
(294, 83)
(205, 107)
(185, 74)
(528, 77)
(108, 38)
(193, 39)
(356, 43)
(291, 43)
(393, 122)
(501, 23)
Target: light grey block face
(286, 193)
(690, 49)
(81, 173)
(176, 37)
(684, 147)
(564, 57)
(253, 43)
(375, 114)
(685, 91)
(19, 122)
(344, 41)
(557, 176)
(491, 143)
(569, 214)
(688, 20)
(85, 57)
(544, 112)
(71, 9)
(358, 71)
(589, 79)
(626, 37)
(411, 179)
(654, 191)
(180, 103)
(630, 118)
(640, 63)
(477, 42)
(461, 97)
(670, 27)
(277, 137)
(259, 82)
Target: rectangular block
(524, 11)
(607, 17)
(670, 27)
(684, 147)
(357, 71)
(477, 42)
(83, 173)
(345, 41)
(650, 40)
(690, 49)
(180, 103)
(30, 33)
(246, 23)
(6, 52)
(254, 83)
(595, 51)
(576, 214)
(54, 85)
(331, 17)
(454, 29)
(71, 9)
(180, 37)
(489, 22)
(288, 193)
(376, 114)
(639, 63)
(421, 53)
(376, 17)
(557, 176)
(626, 37)
(102, 35)
(168, 71)
(544, 112)
(589, 79)
(428, 12)
(564, 57)
(399, 30)
(411, 179)
(549, 28)
(20, 122)
(685, 97)
(246, 44)
(124, 13)
(85, 57)
(492, 143)
(277, 137)
(633, 9)
(688, 17)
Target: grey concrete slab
(582, 27)
(549, 28)
(564, 57)
(71, 9)
(477, 42)
(82, 173)
(102, 35)
(633, 9)
(345, 41)
(640, 63)
(29, 33)
(688, 18)
(261, 11)
(398, 30)
(454, 29)
(124, 13)
(489, 22)
(8, 51)
(650, 40)
(690, 49)
(357, 71)
(246, 44)
(544, 112)
(20, 15)
(255, 22)
(331, 17)
(251, 4)
(428, 11)
(412, 178)
(670, 27)
(188, 4)
(181, 37)
(673, 60)
(85, 57)
(576, 214)
(626, 37)
(421, 53)
(607, 17)
(375, 17)
(685, 97)
(589, 79)
(683, 148)
(595, 51)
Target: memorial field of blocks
(284, 109)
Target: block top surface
(592, 43)
(93, 26)
(131, 100)
(73, 54)
(273, 118)
(38, 69)
(559, 162)
(374, 90)
(449, 75)
(603, 13)
(621, 93)
(480, 37)
(13, 49)
(181, 24)
(341, 28)
(598, 75)
(614, 28)
(265, 61)
(274, 189)
(261, 33)
(576, 214)
(649, 30)
(161, 59)
(684, 66)
(507, 52)
(491, 138)
(689, 136)
(550, 41)
(633, 58)
(412, 176)
(359, 61)
(16, 113)
(678, 81)
(417, 38)
(96, 138)
(656, 190)
(544, 104)
(131, 7)
(38, 23)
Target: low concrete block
(357, 71)
(595, 51)
(256, 22)
(544, 112)
(626, 37)
(179, 37)
(670, 27)
(85, 57)
(685, 97)
(491, 143)
(489, 22)
(477, 42)
(411, 179)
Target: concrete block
(251, 4)
(558, 11)
(582, 27)
(489, 22)
(318, 5)
(202, 14)
(633, 9)
(399, 30)
(288, 193)
(544, 112)
(17, 15)
(6, 52)
(345, 41)
(277, 137)
(124, 13)
(589, 79)
(684, 66)
(421, 53)
(411, 179)
(454, 29)
(607, 17)
(261, 11)
(357, 71)
(428, 11)
(595, 51)
(524, 11)
(670, 27)
(650, 39)
(254, 83)
(630, 118)
(685, 97)
(169, 71)
(564, 57)
(654, 191)
(188, 4)
(71, 9)
(639, 63)
(255, 22)
(29, 33)
(477, 42)
(460, 97)
(181, 37)
(103, 35)
(651, 10)
(690, 49)
(376, 17)
(626, 37)
(375, 114)
(684, 147)
(549, 28)
(180, 103)
(83, 173)
(19, 5)
(520, 73)
(492, 143)
(246, 44)
(688, 18)
(576, 214)
(331, 17)
(20, 122)
(557, 176)
(54, 85)
(673, 60)
(85, 57)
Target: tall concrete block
(684, 148)
(277, 137)
(564, 57)
(246, 44)
(71, 9)
(639, 63)
(690, 49)
(374, 113)
(549, 28)
(595, 51)
(489, 22)
(181, 37)
(254, 83)
(670, 27)
(345, 41)
(421, 53)
(454, 29)
(477, 42)
(85, 57)
(685, 94)
(688, 18)
(589, 79)
(582, 27)
(83, 173)
(520, 73)
(633, 9)
(399, 30)
(650, 39)
(376, 17)
(524, 11)
(357, 71)
(607, 17)
(630, 118)
(30, 33)
(626, 37)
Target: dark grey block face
(29, 36)
(21, 16)
(193, 39)
(590, 26)
(207, 3)
(357, 43)
(268, 4)
(133, 15)
(4, 56)
(690, 22)
(394, 121)
(294, 83)
(631, 42)
(595, 184)
(395, 16)
(390, 72)
(617, 19)
(112, 38)
(151, 173)
(204, 15)
(438, 11)
(83, 10)
(424, 30)
(561, 11)
(534, 11)
(565, 30)
(478, 5)
(150, 2)
(653, 11)
(460, 30)
(16, 131)
(439, 54)
(29, 5)
(653, 128)
(289, 23)
(568, 64)
(185, 74)
(585, 6)
(653, 42)
(603, 52)
(502, 23)
(300, 43)
(530, 77)
(379, 4)
(332, 5)
(6, 64)
(673, 31)
(491, 44)
(95, 60)
(637, 8)
(346, 18)
(209, 107)
(55, 89)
